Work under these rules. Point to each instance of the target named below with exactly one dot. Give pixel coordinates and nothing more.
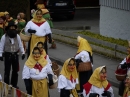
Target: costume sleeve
(62, 82)
(28, 26)
(48, 29)
(20, 44)
(122, 62)
(49, 69)
(48, 59)
(2, 43)
(26, 72)
(84, 56)
(111, 90)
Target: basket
(84, 66)
(120, 73)
(23, 37)
(55, 68)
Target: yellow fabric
(1, 14)
(40, 6)
(40, 88)
(31, 62)
(44, 53)
(66, 73)
(1, 26)
(74, 93)
(22, 20)
(95, 79)
(78, 85)
(35, 39)
(36, 20)
(84, 45)
(44, 11)
(126, 92)
(6, 12)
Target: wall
(115, 19)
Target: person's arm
(84, 56)
(26, 72)
(2, 43)
(48, 31)
(28, 26)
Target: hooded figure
(98, 86)
(84, 54)
(68, 79)
(10, 46)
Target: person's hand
(1, 58)
(93, 95)
(124, 66)
(23, 56)
(106, 93)
(31, 31)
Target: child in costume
(35, 73)
(68, 79)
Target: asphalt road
(83, 17)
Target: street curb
(60, 62)
(87, 7)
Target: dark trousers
(11, 59)
(64, 93)
(28, 85)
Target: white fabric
(48, 60)
(84, 56)
(42, 30)
(31, 73)
(65, 83)
(2, 44)
(97, 90)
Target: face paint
(71, 66)
(12, 33)
(36, 55)
(103, 74)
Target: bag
(84, 66)
(55, 68)
(52, 81)
(120, 73)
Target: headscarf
(83, 45)
(35, 18)
(40, 6)
(31, 62)
(95, 78)
(66, 73)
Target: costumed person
(47, 17)
(125, 64)
(39, 28)
(126, 92)
(2, 24)
(98, 86)
(21, 23)
(8, 18)
(40, 45)
(68, 79)
(10, 46)
(35, 72)
(84, 54)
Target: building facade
(115, 18)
